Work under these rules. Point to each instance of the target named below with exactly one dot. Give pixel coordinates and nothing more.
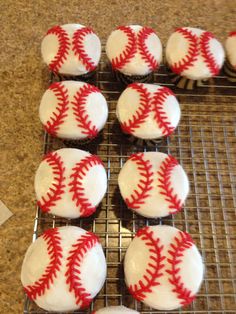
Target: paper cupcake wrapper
(230, 72)
(128, 79)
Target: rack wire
(205, 145)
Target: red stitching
(78, 47)
(232, 34)
(191, 56)
(54, 249)
(130, 49)
(145, 183)
(154, 267)
(207, 55)
(144, 52)
(160, 115)
(79, 109)
(57, 189)
(54, 122)
(64, 46)
(79, 172)
(167, 190)
(76, 255)
(176, 253)
(142, 112)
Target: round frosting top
(64, 269)
(163, 267)
(115, 310)
(230, 46)
(153, 184)
(134, 50)
(148, 111)
(70, 183)
(194, 53)
(73, 110)
(71, 49)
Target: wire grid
(204, 143)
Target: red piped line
(142, 112)
(73, 274)
(182, 242)
(130, 49)
(79, 172)
(160, 115)
(192, 54)
(232, 34)
(207, 55)
(54, 249)
(58, 117)
(153, 272)
(80, 110)
(137, 198)
(164, 180)
(57, 189)
(64, 47)
(78, 47)
(143, 49)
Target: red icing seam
(61, 92)
(75, 258)
(64, 46)
(164, 181)
(182, 242)
(191, 56)
(57, 189)
(143, 49)
(53, 240)
(141, 192)
(79, 172)
(153, 271)
(160, 115)
(232, 34)
(79, 49)
(129, 51)
(207, 55)
(80, 112)
(142, 112)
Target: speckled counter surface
(24, 78)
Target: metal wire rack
(205, 145)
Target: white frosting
(177, 49)
(115, 310)
(116, 45)
(95, 106)
(129, 103)
(230, 46)
(137, 259)
(58, 297)
(155, 205)
(72, 65)
(94, 183)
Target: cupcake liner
(85, 77)
(139, 142)
(183, 82)
(128, 79)
(230, 72)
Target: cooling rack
(205, 145)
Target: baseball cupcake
(163, 268)
(70, 183)
(153, 184)
(115, 310)
(73, 111)
(71, 50)
(147, 111)
(230, 65)
(134, 52)
(193, 54)
(64, 269)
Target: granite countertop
(23, 81)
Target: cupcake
(115, 310)
(71, 50)
(70, 183)
(194, 54)
(147, 111)
(230, 65)
(64, 269)
(73, 110)
(134, 52)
